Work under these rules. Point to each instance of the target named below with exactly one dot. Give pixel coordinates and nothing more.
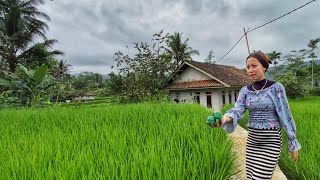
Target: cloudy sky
(90, 32)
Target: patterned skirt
(262, 152)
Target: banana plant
(29, 85)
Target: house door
(197, 97)
(209, 100)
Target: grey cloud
(90, 33)
(97, 60)
(261, 11)
(221, 8)
(193, 7)
(265, 11)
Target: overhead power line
(264, 25)
(231, 49)
(281, 16)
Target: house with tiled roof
(211, 85)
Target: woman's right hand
(224, 120)
(217, 123)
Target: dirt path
(239, 138)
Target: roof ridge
(227, 74)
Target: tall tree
(60, 69)
(179, 49)
(144, 73)
(116, 84)
(88, 81)
(274, 56)
(39, 54)
(19, 26)
(295, 60)
(313, 45)
(210, 58)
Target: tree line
(33, 74)
(299, 72)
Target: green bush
(315, 91)
(293, 86)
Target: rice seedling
(137, 141)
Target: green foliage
(116, 83)
(28, 85)
(179, 49)
(274, 56)
(295, 60)
(39, 54)
(20, 25)
(210, 57)
(315, 91)
(141, 77)
(292, 84)
(299, 78)
(88, 81)
(60, 70)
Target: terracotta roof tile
(194, 84)
(228, 74)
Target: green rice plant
(136, 141)
(307, 118)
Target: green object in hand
(211, 120)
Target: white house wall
(191, 74)
(186, 96)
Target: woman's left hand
(295, 155)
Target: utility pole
(245, 33)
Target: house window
(197, 97)
(230, 97)
(209, 100)
(223, 97)
(236, 93)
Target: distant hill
(306, 63)
(317, 61)
(271, 70)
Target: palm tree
(39, 54)
(274, 55)
(60, 69)
(20, 25)
(179, 50)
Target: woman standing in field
(268, 111)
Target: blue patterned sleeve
(237, 112)
(286, 119)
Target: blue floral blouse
(268, 108)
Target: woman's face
(255, 70)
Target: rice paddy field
(137, 141)
(306, 113)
